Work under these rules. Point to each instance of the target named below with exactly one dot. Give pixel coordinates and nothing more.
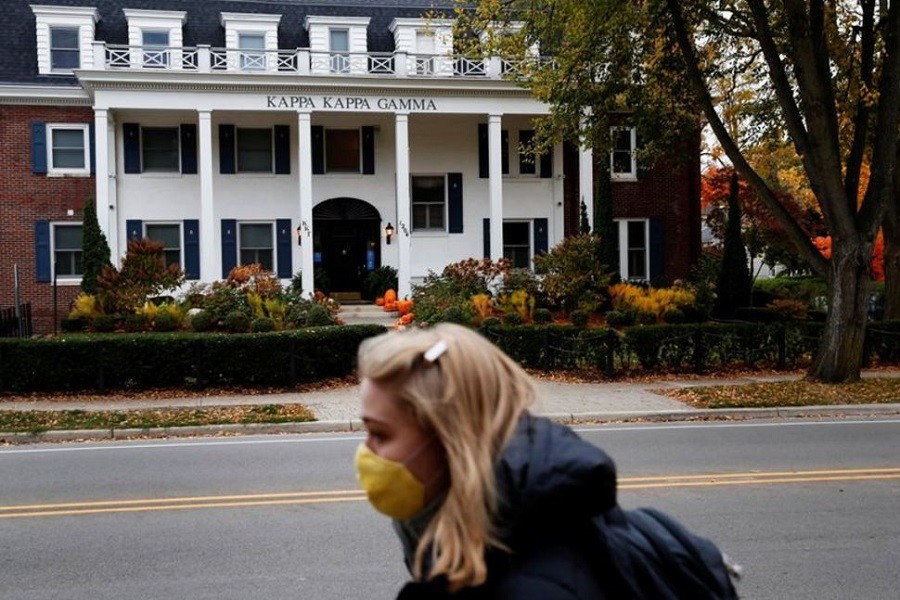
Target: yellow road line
(333, 496)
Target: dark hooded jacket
(550, 483)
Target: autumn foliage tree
(823, 76)
(143, 274)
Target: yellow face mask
(390, 486)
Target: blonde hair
(471, 398)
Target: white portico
(437, 158)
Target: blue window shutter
(540, 236)
(229, 246)
(504, 151)
(92, 145)
(317, 141)
(546, 166)
(484, 165)
(42, 251)
(368, 150)
(283, 149)
(283, 237)
(226, 149)
(131, 143)
(657, 239)
(191, 249)
(134, 229)
(487, 238)
(455, 202)
(188, 135)
(38, 147)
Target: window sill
(342, 175)
(623, 177)
(162, 175)
(251, 175)
(65, 174)
(435, 233)
(67, 281)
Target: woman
(488, 501)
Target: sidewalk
(338, 409)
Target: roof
(18, 52)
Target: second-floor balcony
(205, 59)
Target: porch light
(299, 235)
(388, 232)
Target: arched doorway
(346, 244)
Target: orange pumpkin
(406, 319)
(379, 301)
(390, 296)
(404, 306)
(390, 306)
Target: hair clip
(434, 353)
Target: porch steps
(366, 314)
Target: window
(428, 201)
(517, 244)
(255, 243)
(68, 149)
(342, 150)
(253, 56)
(633, 249)
(622, 161)
(67, 250)
(339, 45)
(254, 150)
(159, 149)
(425, 49)
(64, 48)
(156, 53)
(170, 237)
(527, 162)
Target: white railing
(302, 61)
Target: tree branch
(793, 230)
(861, 118)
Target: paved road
(280, 516)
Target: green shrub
(224, 300)
(574, 278)
(202, 321)
(165, 321)
(104, 323)
(673, 315)
(755, 314)
(262, 325)
(136, 323)
(579, 318)
(542, 316)
(513, 319)
(380, 280)
(152, 360)
(73, 325)
(645, 318)
(318, 316)
(454, 314)
(490, 322)
(620, 318)
(236, 322)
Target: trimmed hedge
(154, 360)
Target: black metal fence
(9, 322)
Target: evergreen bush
(104, 323)
(136, 323)
(94, 248)
(262, 325)
(202, 321)
(318, 316)
(165, 321)
(542, 316)
(236, 322)
(579, 318)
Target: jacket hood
(547, 476)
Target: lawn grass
(27, 421)
(790, 393)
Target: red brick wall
(26, 198)
(670, 191)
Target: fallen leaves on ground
(37, 421)
(790, 393)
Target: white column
(495, 163)
(305, 174)
(112, 171)
(401, 235)
(559, 196)
(210, 255)
(105, 216)
(586, 184)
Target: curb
(355, 425)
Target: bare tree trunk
(839, 358)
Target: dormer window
(64, 37)
(252, 41)
(155, 38)
(338, 44)
(428, 44)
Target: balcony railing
(302, 61)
